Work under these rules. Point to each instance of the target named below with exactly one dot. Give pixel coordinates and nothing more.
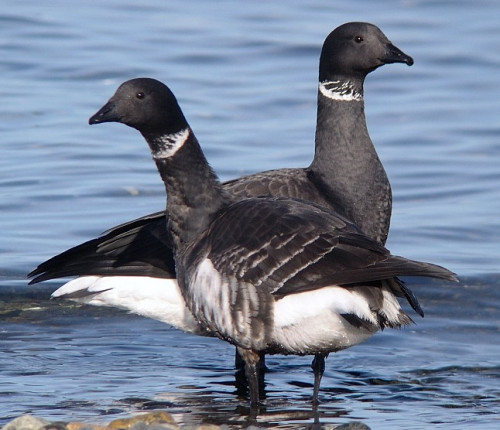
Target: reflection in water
(209, 408)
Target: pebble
(158, 420)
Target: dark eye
(358, 39)
(140, 95)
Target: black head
(144, 104)
(355, 49)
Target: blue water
(245, 75)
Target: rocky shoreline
(158, 420)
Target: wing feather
(301, 247)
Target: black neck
(194, 194)
(346, 164)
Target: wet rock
(58, 425)
(355, 425)
(160, 420)
(84, 426)
(25, 422)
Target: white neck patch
(340, 90)
(169, 144)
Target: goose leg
(239, 363)
(240, 378)
(251, 359)
(318, 367)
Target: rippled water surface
(245, 75)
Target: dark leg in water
(241, 382)
(251, 359)
(318, 367)
(239, 363)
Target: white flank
(155, 298)
(169, 144)
(225, 305)
(210, 296)
(340, 91)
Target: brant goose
(132, 267)
(269, 275)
